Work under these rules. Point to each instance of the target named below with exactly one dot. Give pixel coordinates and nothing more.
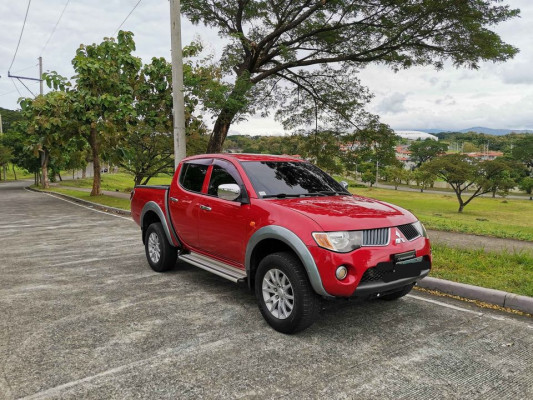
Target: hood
(338, 213)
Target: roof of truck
(249, 157)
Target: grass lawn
(21, 173)
(103, 199)
(511, 272)
(483, 216)
(121, 181)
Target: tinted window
(271, 178)
(192, 176)
(219, 176)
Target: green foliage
(463, 173)
(426, 150)
(9, 117)
(279, 48)
(523, 150)
(526, 184)
(424, 178)
(396, 175)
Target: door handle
(173, 199)
(206, 208)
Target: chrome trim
(295, 243)
(228, 191)
(206, 208)
(214, 266)
(173, 199)
(153, 206)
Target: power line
(55, 27)
(12, 80)
(20, 37)
(125, 19)
(26, 68)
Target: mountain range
(479, 129)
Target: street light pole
(178, 100)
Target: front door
(223, 224)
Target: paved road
(82, 316)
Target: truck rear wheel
(286, 299)
(161, 255)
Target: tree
(463, 173)
(500, 177)
(523, 150)
(425, 150)
(5, 158)
(278, 44)
(526, 184)
(102, 93)
(423, 178)
(48, 127)
(396, 175)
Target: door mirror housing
(229, 191)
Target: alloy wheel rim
(278, 294)
(154, 247)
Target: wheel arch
(271, 239)
(151, 213)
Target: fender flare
(295, 243)
(153, 206)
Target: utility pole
(178, 100)
(41, 75)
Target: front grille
(376, 237)
(371, 275)
(409, 231)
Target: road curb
(491, 296)
(101, 207)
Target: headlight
(420, 228)
(342, 242)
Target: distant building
(488, 155)
(404, 156)
(415, 135)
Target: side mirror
(344, 184)
(229, 191)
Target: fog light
(341, 272)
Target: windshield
(290, 179)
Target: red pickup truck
(284, 226)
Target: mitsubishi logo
(399, 238)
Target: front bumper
(371, 270)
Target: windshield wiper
(280, 195)
(326, 193)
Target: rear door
(184, 197)
(222, 224)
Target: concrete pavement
(84, 316)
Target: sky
(495, 96)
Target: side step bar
(216, 267)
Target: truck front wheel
(160, 254)
(286, 299)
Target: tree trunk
(59, 175)
(494, 193)
(137, 179)
(84, 172)
(14, 172)
(220, 131)
(93, 142)
(45, 183)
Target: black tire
(305, 302)
(396, 295)
(155, 239)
